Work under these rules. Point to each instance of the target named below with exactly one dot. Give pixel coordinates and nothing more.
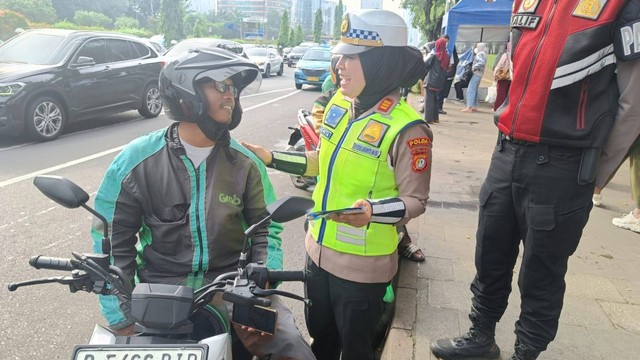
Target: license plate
(313, 78)
(123, 353)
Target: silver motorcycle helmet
(180, 78)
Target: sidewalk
(601, 315)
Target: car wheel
(152, 102)
(281, 71)
(298, 86)
(267, 71)
(45, 118)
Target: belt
(515, 141)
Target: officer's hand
(252, 339)
(262, 153)
(355, 220)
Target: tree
(40, 11)
(9, 21)
(92, 18)
(125, 22)
(317, 26)
(273, 25)
(427, 15)
(172, 20)
(292, 38)
(283, 35)
(299, 37)
(337, 20)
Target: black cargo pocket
(169, 228)
(485, 194)
(556, 231)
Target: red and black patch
(419, 161)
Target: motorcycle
(168, 318)
(303, 138)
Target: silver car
(268, 59)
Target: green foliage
(292, 38)
(92, 18)
(72, 26)
(171, 19)
(337, 20)
(197, 25)
(427, 15)
(34, 10)
(124, 22)
(283, 35)
(272, 27)
(136, 32)
(200, 28)
(9, 21)
(317, 26)
(299, 36)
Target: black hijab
(386, 69)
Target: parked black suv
(51, 77)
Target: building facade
(253, 9)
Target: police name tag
(525, 21)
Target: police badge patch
(373, 133)
(334, 114)
(589, 9)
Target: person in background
(479, 63)
(451, 74)
(502, 77)
(539, 186)
(375, 155)
(436, 64)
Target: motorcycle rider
(179, 199)
(375, 153)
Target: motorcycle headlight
(10, 89)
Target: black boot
(479, 342)
(524, 352)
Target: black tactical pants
(530, 194)
(343, 315)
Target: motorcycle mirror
(289, 208)
(283, 210)
(62, 191)
(66, 193)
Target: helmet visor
(247, 80)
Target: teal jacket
(174, 223)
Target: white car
(269, 61)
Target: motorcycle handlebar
(277, 275)
(45, 262)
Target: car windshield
(256, 52)
(317, 55)
(30, 48)
(298, 50)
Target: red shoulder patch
(421, 141)
(385, 104)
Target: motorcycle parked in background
(171, 321)
(303, 138)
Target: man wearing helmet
(179, 199)
(375, 153)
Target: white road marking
(110, 151)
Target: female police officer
(375, 153)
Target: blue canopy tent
(472, 21)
